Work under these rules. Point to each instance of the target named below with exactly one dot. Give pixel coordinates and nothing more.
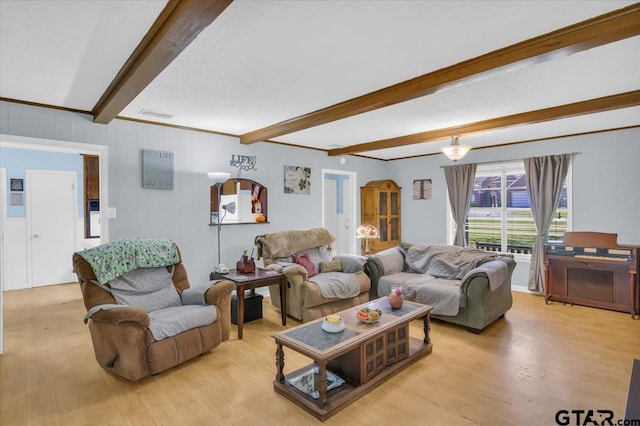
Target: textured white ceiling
(261, 62)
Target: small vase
(396, 297)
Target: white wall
(182, 214)
(606, 197)
(605, 179)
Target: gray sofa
(465, 286)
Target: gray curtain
(545, 177)
(460, 184)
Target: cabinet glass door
(394, 203)
(383, 204)
(383, 229)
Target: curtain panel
(545, 177)
(460, 185)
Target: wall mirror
(242, 200)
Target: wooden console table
(364, 355)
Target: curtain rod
(572, 154)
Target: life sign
(243, 162)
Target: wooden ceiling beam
(606, 103)
(598, 31)
(176, 27)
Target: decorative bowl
(369, 315)
(333, 324)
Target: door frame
(53, 145)
(352, 193)
(3, 219)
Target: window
(500, 217)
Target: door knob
(35, 235)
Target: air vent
(155, 114)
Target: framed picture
(297, 180)
(17, 185)
(157, 169)
(422, 189)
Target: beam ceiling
(601, 30)
(176, 27)
(606, 103)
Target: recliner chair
(135, 341)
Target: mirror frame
(229, 187)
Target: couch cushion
(337, 285)
(352, 263)
(146, 288)
(306, 263)
(174, 320)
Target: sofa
(319, 281)
(142, 314)
(465, 286)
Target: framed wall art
(157, 169)
(297, 180)
(422, 189)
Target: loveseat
(143, 315)
(319, 281)
(465, 286)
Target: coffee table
(349, 363)
(251, 281)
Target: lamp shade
(367, 231)
(230, 207)
(218, 178)
(455, 151)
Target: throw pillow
(331, 266)
(317, 255)
(307, 264)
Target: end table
(250, 281)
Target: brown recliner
(122, 341)
(305, 301)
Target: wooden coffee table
(362, 355)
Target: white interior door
(330, 207)
(51, 218)
(339, 192)
(348, 212)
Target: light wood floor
(521, 370)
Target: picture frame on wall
(297, 180)
(422, 189)
(157, 169)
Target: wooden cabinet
(91, 202)
(380, 207)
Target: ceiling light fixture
(455, 151)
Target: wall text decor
(243, 162)
(157, 169)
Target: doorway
(339, 204)
(16, 238)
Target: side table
(250, 281)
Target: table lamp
(367, 232)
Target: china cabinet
(380, 207)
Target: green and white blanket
(114, 259)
